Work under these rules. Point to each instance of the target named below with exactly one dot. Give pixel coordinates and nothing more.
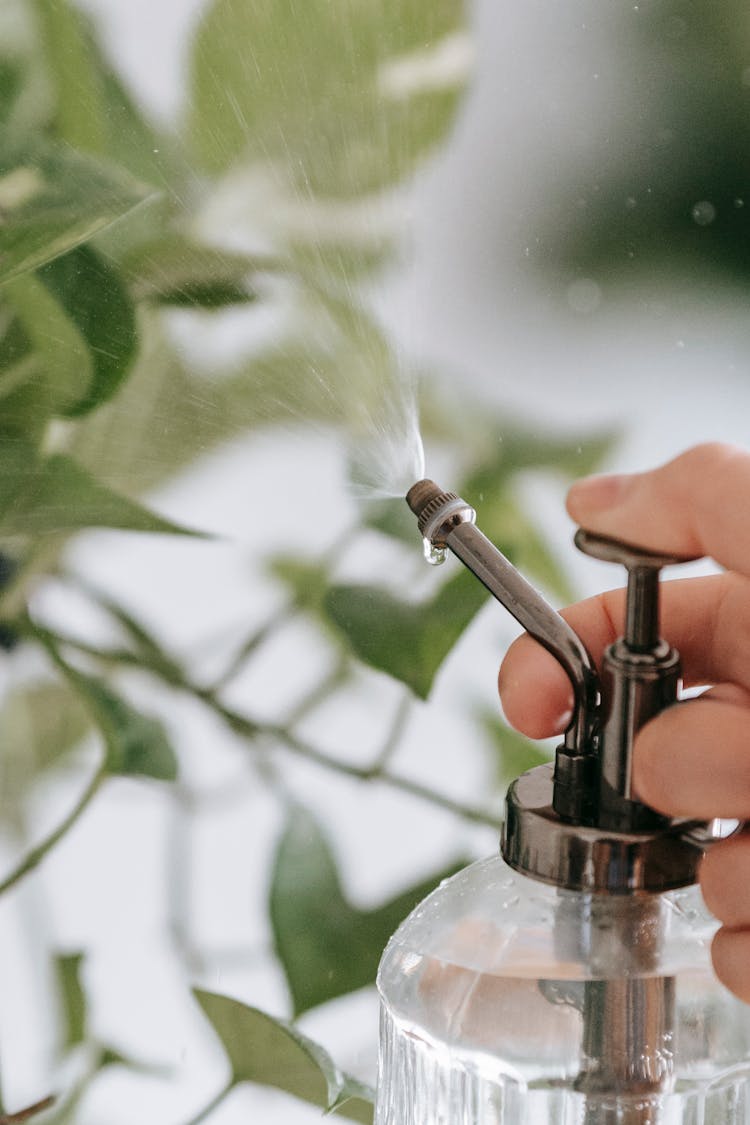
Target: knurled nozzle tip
(421, 494)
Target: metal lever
(642, 617)
(640, 677)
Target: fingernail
(593, 494)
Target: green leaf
(344, 97)
(327, 946)
(355, 1101)
(175, 271)
(95, 299)
(53, 199)
(517, 450)
(53, 494)
(11, 80)
(68, 966)
(59, 366)
(514, 754)
(270, 1052)
(308, 581)
(41, 723)
(172, 413)
(408, 641)
(137, 745)
(72, 69)
(393, 518)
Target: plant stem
(25, 1114)
(253, 642)
(251, 729)
(34, 857)
(212, 1105)
(398, 725)
(367, 773)
(322, 690)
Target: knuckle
(710, 455)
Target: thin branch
(212, 1105)
(251, 729)
(393, 738)
(317, 695)
(30, 1111)
(253, 642)
(179, 889)
(394, 780)
(34, 857)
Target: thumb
(697, 504)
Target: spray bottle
(567, 981)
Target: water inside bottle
(506, 1002)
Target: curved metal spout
(448, 521)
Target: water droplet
(434, 555)
(703, 213)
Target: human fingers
(706, 619)
(692, 760)
(725, 881)
(697, 504)
(730, 953)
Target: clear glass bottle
(505, 1001)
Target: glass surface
(505, 1000)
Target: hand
(692, 760)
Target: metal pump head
(578, 825)
(448, 521)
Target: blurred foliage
(268, 1051)
(327, 946)
(665, 186)
(310, 117)
(316, 92)
(514, 754)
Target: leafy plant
(104, 233)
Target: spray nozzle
(448, 521)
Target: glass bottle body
(505, 1001)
